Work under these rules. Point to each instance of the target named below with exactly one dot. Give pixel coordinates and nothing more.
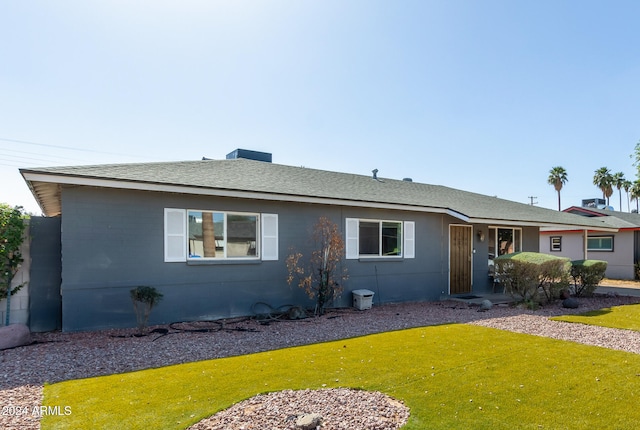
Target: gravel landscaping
(55, 356)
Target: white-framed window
(198, 235)
(556, 243)
(379, 238)
(600, 243)
(222, 235)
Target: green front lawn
(450, 376)
(623, 317)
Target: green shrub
(12, 228)
(586, 275)
(144, 298)
(554, 277)
(526, 274)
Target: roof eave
(543, 225)
(51, 205)
(46, 189)
(569, 228)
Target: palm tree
(604, 180)
(618, 181)
(626, 185)
(557, 178)
(635, 192)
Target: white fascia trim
(145, 186)
(575, 228)
(542, 225)
(504, 222)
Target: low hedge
(527, 274)
(586, 275)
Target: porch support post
(584, 243)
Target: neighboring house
(126, 225)
(620, 249)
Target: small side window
(556, 243)
(600, 243)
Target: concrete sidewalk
(621, 291)
(496, 299)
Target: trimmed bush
(527, 274)
(586, 275)
(144, 298)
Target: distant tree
(636, 158)
(604, 180)
(626, 186)
(557, 178)
(11, 237)
(635, 192)
(618, 182)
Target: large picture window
(222, 234)
(379, 238)
(204, 235)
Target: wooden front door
(460, 252)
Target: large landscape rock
(308, 421)
(570, 303)
(14, 335)
(485, 306)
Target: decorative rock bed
(326, 409)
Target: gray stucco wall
(44, 287)
(112, 241)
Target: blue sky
(484, 96)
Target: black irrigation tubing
(220, 325)
(273, 314)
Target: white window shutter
(409, 239)
(269, 229)
(351, 234)
(175, 235)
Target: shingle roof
(289, 183)
(611, 217)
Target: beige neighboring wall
(619, 261)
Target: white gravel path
(623, 340)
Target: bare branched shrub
(321, 277)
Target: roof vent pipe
(375, 174)
(407, 179)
